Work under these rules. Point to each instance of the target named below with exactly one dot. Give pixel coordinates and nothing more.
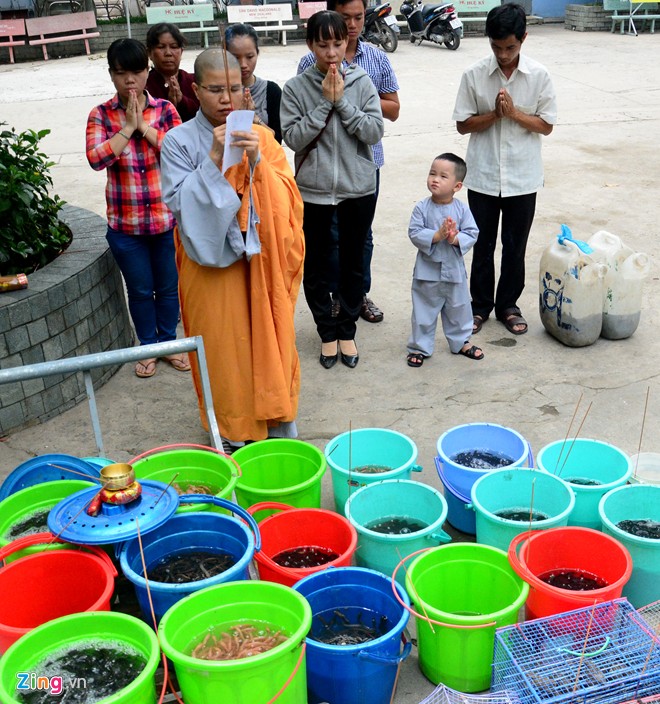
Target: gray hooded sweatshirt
(341, 164)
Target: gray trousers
(449, 300)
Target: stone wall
(73, 306)
(587, 18)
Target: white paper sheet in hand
(237, 121)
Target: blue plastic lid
(46, 468)
(113, 524)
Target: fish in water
(481, 459)
(645, 528)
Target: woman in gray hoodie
(331, 119)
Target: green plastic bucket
(20, 505)
(284, 471)
(585, 459)
(36, 646)
(635, 502)
(522, 490)
(255, 679)
(402, 498)
(466, 591)
(368, 446)
(194, 465)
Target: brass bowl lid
(117, 476)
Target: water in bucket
(637, 502)
(508, 502)
(355, 644)
(367, 455)
(385, 514)
(580, 460)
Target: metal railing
(87, 362)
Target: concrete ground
(601, 173)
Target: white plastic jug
(622, 289)
(571, 292)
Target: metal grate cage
(651, 615)
(444, 695)
(602, 654)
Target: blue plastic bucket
(480, 436)
(635, 502)
(589, 460)
(190, 532)
(459, 508)
(395, 498)
(353, 674)
(368, 446)
(521, 490)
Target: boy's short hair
(460, 167)
(334, 4)
(127, 55)
(326, 25)
(504, 20)
(154, 33)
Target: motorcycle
(380, 27)
(437, 23)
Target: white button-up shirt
(505, 158)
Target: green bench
(474, 10)
(632, 12)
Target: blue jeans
(149, 269)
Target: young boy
(443, 230)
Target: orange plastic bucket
(301, 527)
(46, 585)
(537, 553)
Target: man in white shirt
(505, 103)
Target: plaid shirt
(376, 64)
(133, 191)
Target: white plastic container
(571, 292)
(646, 468)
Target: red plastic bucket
(571, 548)
(46, 585)
(300, 527)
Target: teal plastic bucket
(258, 678)
(84, 629)
(401, 498)
(368, 446)
(522, 490)
(488, 437)
(206, 532)
(635, 502)
(284, 471)
(466, 591)
(365, 673)
(588, 460)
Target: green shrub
(31, 233)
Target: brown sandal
(477, 323)
(370, 311)
(512, 317)
(145, 368)
(179, 362)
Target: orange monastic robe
(245, 311)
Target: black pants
(517, 217)
(354, 217)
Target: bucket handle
(417, 468)
(530, 455)
(267, 506)
(439, 536)
(234, 508)
(426, 618)
(180, 445)
(47, 538)
(387, 659)
(586, 655)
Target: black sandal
(415, 359)
(471, 353)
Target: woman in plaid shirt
(124, 136)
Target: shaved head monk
(240, 251)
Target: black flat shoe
(328, 361)
(350, 360)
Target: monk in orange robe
(240, 252)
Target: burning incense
(575, 438)
(568, 432)
(641, 432)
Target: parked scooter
(437, 23)
(380, 27)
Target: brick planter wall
(587, 18)
(73, 306)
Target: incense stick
(584, 647)
(568, 432)
(165, 489)
(224, 56)
(641, 432)
(73, 471)
(350, 463)
(575, 438)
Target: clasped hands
(333, 84)
(134, 116)
(504, 106)
(447, 231)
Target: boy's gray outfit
(440, 284)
